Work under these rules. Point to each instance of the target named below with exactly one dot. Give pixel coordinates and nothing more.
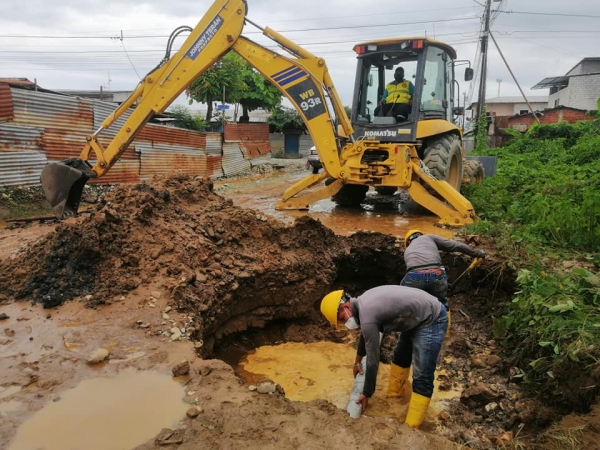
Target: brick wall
(522, 123)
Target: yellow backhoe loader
(419, 151)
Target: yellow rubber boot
(416, 410)
(449, 322)
(398, 377)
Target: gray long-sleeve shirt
(425, 250)
(385, 309)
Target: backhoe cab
(427, 120)
(384, 152)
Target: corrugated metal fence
(38, 127)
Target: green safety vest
(398, 93)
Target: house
(509, 106)
(579, 88)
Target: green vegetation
(234, 78)
(286, 119)
(542, 211)
(185, 119)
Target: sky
(76, 44)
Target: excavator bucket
(63, 182)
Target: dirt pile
(230, 267)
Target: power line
(587, 16)
(350, 27)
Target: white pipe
(353, 408)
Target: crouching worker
(421, 320)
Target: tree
(228, 73)
(184, 118)
(285, 118)
(242, 85)
(260, 93)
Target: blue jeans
(430, 282)
(422, 347)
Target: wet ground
(173, 272)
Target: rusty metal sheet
(101, 110)
(129, 153)
(233, 159)
(14, 138)
(62, 144)
(43, 109)
(124, 171)
(255, 149)
(164, 159)
(21, 168)
(6, 103)
(214, 169)
(214, 144)
(163, 134)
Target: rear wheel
(443, 158)
(386, 190)
(473, 172)
(351, 195)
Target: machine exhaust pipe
(63, 182)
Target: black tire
(386, 190)
(473, 172)
(351, 195)
(315, 170)
(443, 158)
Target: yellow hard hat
(409, 234)
(330, 305)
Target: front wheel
(443, 158)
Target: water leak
(117, 413)
(323, 370)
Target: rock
(98, 356)
(181, 369)
(169, 437)
(505, 439)
(444, 415)
(4, 316)
(193, 412)
(165, 316)
(155, 294)
(252, 388)
(205, 371)
(491, 407)
(175, 334)
(167, 309)
(51, 301)
(269, 387)
(478, 394)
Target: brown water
(323, 370)
(105, 413)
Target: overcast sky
(72, 44)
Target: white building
(579, 88)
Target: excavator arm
(303, 78)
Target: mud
(171, 270)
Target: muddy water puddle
(117, 413)
(323, 370)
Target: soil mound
(231, 267)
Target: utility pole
(499, 80)
(484, 51)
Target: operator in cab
(396, 98)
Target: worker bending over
(424, 269)
(421, 320)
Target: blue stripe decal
(283, 71)
(282, 76)
(293, 78)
